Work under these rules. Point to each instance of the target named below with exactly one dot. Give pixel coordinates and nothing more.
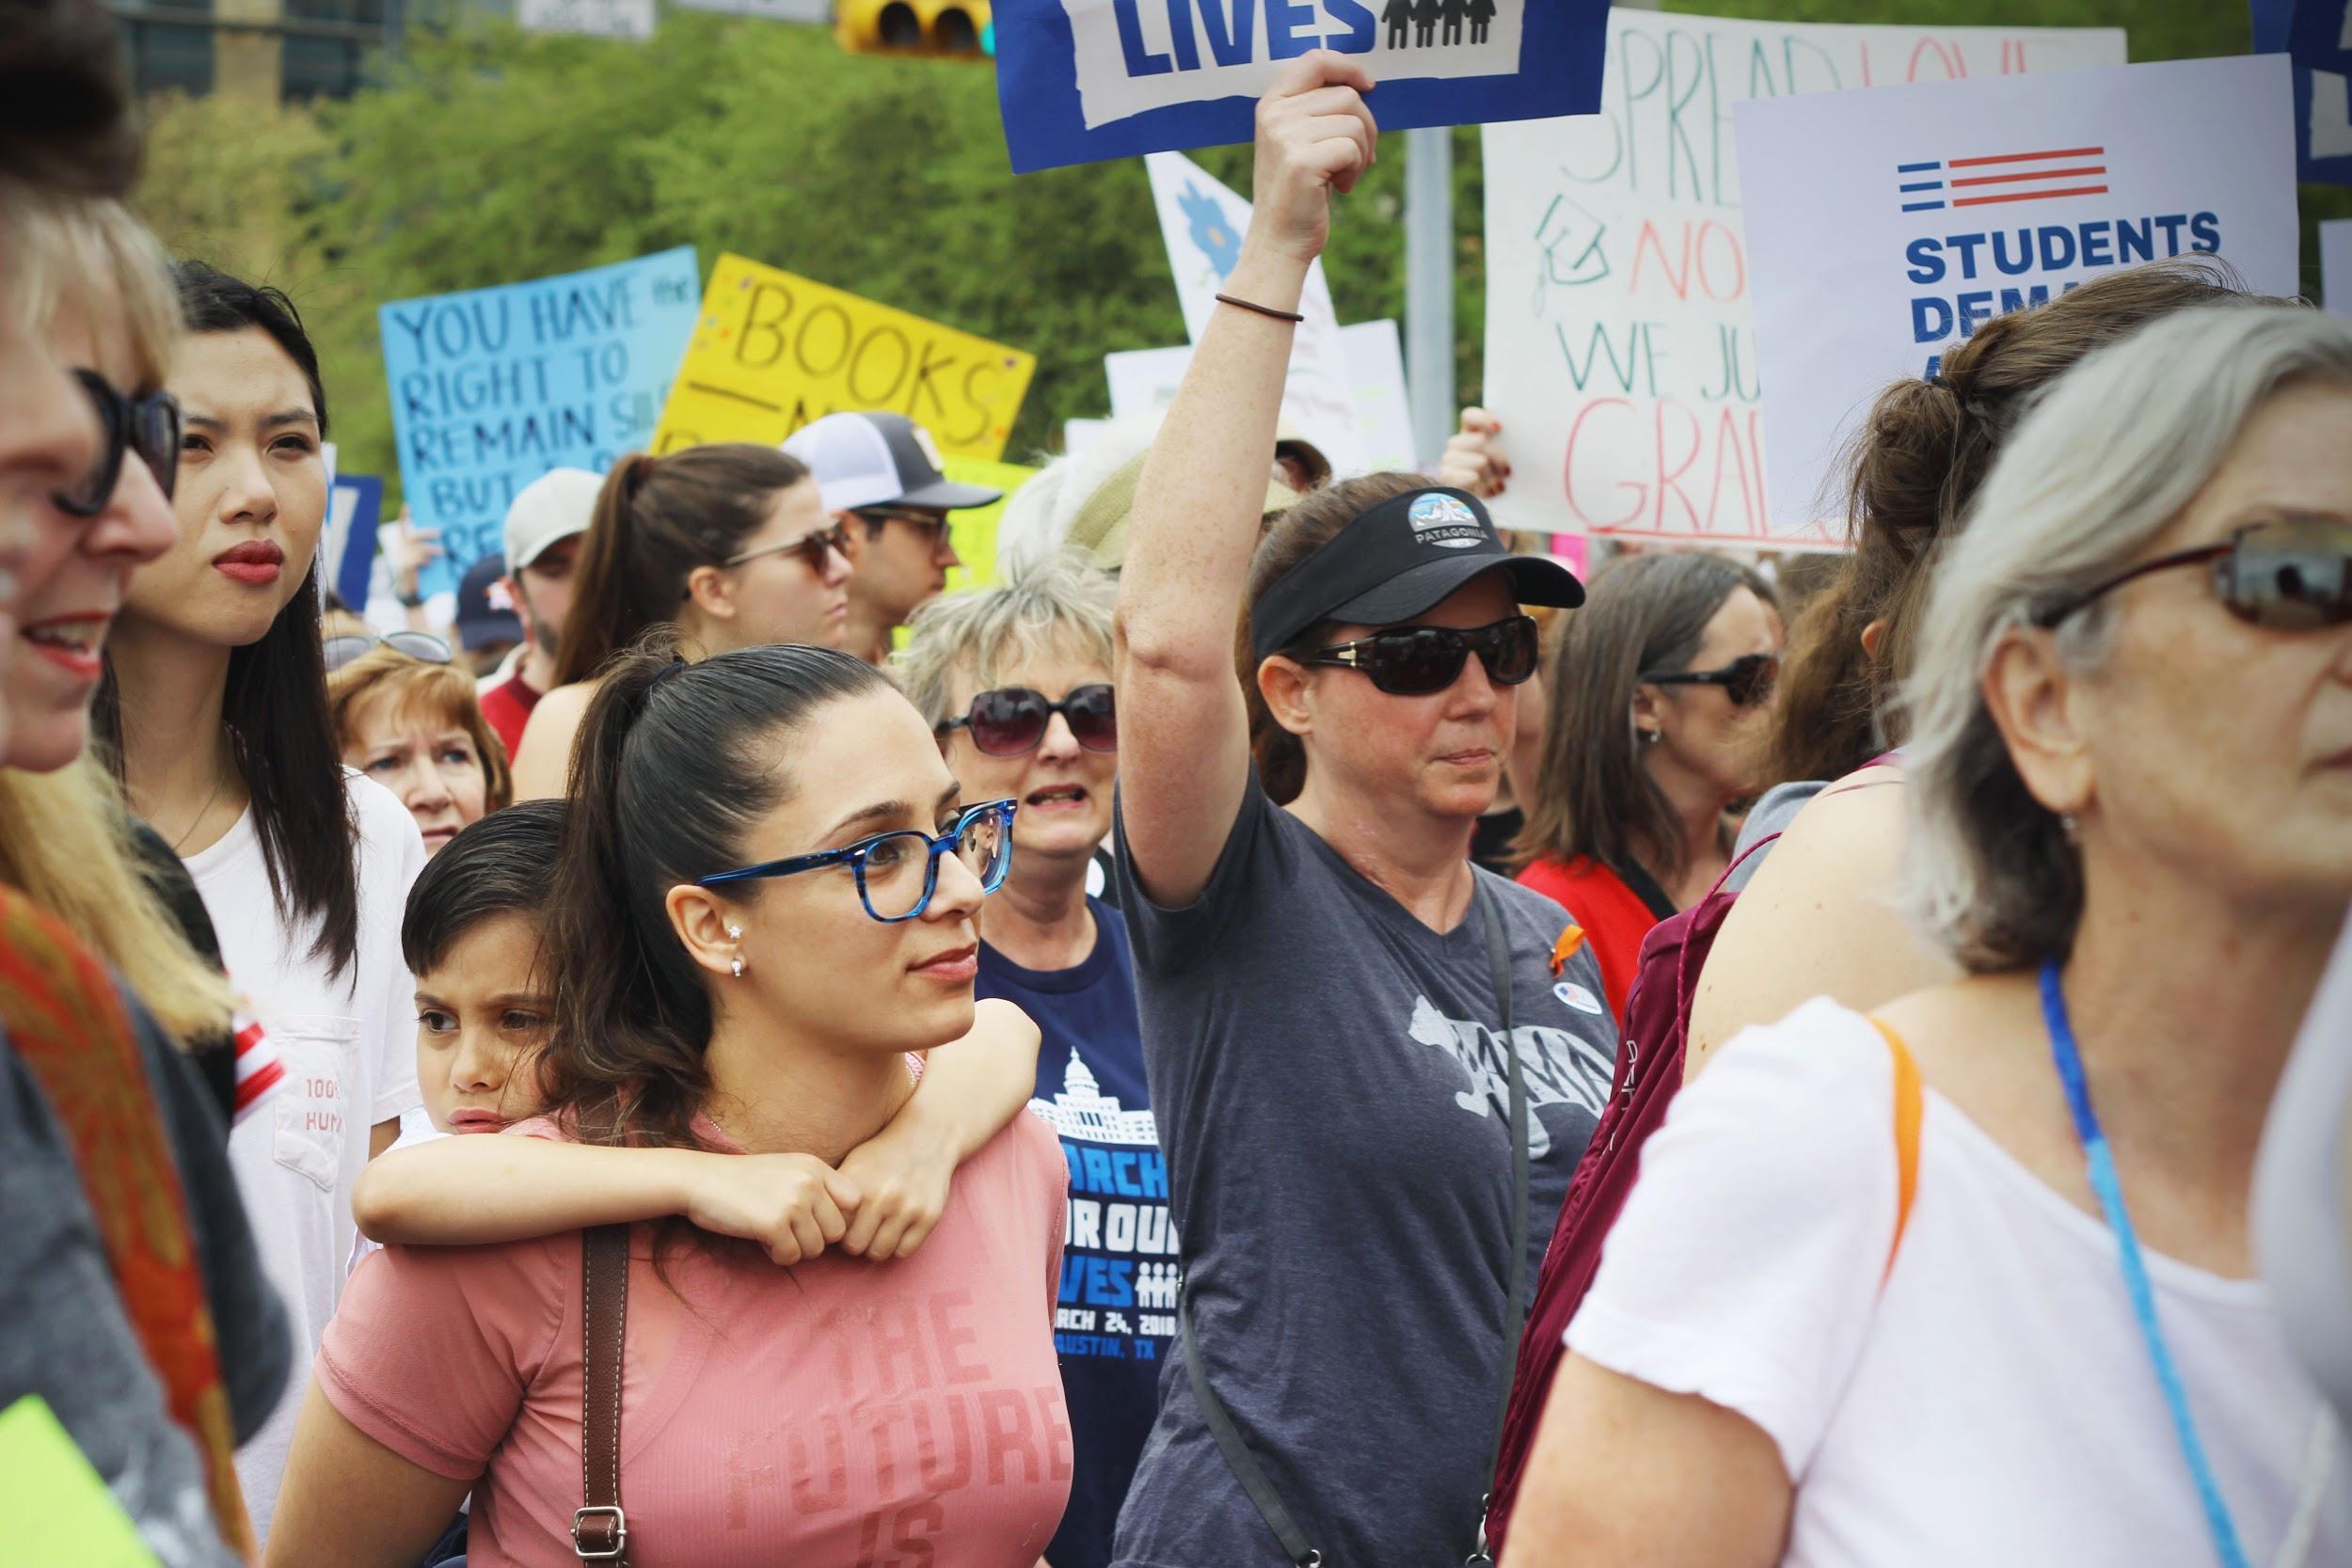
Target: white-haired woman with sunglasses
(1016, 682)
(1370, 1092)
(2011, 1318)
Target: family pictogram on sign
(1423, 17)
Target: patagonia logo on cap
(1443, 521)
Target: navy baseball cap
(1396, 559)
(479, 623)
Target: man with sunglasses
(882, 481)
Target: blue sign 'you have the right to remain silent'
(494, 387)
(1085, 80)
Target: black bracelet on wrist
(1261, 310)
(410, 601)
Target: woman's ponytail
(631, 1017)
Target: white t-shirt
(349, 1046)
(1996, 1404)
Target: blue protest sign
(2313, 34)
(492, 387)
(1084, 80)
(355, 507)
(2320, 35)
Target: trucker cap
(879, 460)
(1396, 559)
(558, 504)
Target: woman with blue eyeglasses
(765, 909)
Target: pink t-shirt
(900, 1415)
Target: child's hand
(794, 1205)
(902, 1182)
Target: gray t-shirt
(66, 1336)
(1334, 1104)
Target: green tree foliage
(485, 156)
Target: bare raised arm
(1184, 738)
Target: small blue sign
(1081, 81)
(2312, 34)
(494, 387)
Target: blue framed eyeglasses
(898, 872)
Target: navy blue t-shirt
(1119, 1271)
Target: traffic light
(954, 29)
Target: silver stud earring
(1651, 737)
(735, 932)
(2071, 827)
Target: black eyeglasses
(1012, 720)
(899, 871)
(421, 645)
(148, 425)
(813, 548)
(1413, 661)
(1746, 680)
(2292, 574)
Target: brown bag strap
(599, 1530)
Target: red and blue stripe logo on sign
(2009, 177)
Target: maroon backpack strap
(1682, 952)
(599, 1529)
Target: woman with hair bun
(730, 543)
(1812, 918)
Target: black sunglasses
(1012, 718)
(148, 425)
(1746, 680)
(2293, 573)
(422, 646)
(932, 524)
(1413, 661)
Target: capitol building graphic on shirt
(1082, 1110)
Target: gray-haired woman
(2130, 755)
(1016, 680)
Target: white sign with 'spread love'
(1620, 349)
(1885, 228)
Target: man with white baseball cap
(880, 475)
(544, 527)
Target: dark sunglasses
(932, 524)
(1012, 718)
(148, 425)
(2293, 573)
(813, 548)
(421, 645)
(1413, 661)
(1746, 680)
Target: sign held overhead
(1085, 80)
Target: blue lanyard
(2110, 1189)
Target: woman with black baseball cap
(1324, 980)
